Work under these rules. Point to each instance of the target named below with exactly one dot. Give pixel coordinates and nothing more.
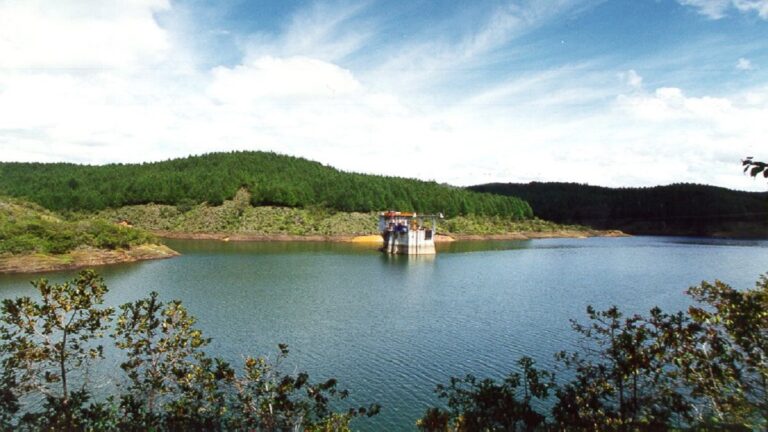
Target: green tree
(214, 178)
(487, 405)
(702, 369)
(45, 343)
(171, 384)
(165, 364)
(620, 378)
(725, 353)
(267, 399)
(174, 385)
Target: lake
(391, 328)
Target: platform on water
(407, 233)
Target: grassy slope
(27, 228)
(238, 216)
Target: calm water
(390, 328)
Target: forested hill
(684, 209)
(272, 179)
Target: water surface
(390, 328)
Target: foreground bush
(704, 369)
(47, 347)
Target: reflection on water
(288, 247)
(391, 327)
(482, 245)
(705, 241)
(268, 247)
(408, 260)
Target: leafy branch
(754, 168)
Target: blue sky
(615, 93)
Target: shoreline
(80, 258)
(533, 235)
(91, 257)
(374, 238)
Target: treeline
(701, 370)
(272, 179)
(684, 209)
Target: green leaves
(478, 405)
(266, 399)
(170, 383)
(704, 369)
(731, 335)
(44, 342)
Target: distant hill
(678, 209)
(272, 179)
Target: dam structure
(406, 233)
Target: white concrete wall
(412, 242)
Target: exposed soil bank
(84, 257)
(251, 237)
(377, 239)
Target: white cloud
(432, 59)
(87, 81)
(734, 116)
(544, 91)
(36, 34)
(744, 64)
(295, 95)
(759, 6)
(632, 79)
(714, 9)
(709, 134)
(717, 9)
(269, 77)
(322, 32)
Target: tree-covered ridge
(675, 209)
(272, 179)
(27, 228)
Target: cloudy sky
(613, 92)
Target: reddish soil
(86, 257)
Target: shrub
(170, 383)
(704, 369)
